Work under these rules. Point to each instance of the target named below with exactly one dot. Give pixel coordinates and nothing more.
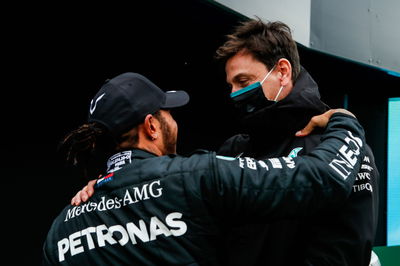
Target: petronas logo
(294, 152)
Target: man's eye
(243, 83)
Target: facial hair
(169, 138)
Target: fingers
(320, 121)
(307, 129)
(341, 110)
(76, 200)
(84, 194)
(316, 121)
(90, 187)
(80, 197)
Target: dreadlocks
(89, 146)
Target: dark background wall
(56, 57)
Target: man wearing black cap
(152, 207)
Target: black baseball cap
(124, 101)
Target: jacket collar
(292, 113)
(120, 159)
(142, 154)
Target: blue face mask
(252, 98)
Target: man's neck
(151, 147)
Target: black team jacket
(172, 210)
(340, 234)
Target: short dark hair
(267, 42)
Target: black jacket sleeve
(235, 146)
(244, 188)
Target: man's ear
(285, 71)
(150, 127)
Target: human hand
(320, 121)
(84, 194)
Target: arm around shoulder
(289, 187)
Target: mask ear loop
(268, 74)
(279, 92)
(272, 69)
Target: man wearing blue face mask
(275, 97)
(252, 97)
